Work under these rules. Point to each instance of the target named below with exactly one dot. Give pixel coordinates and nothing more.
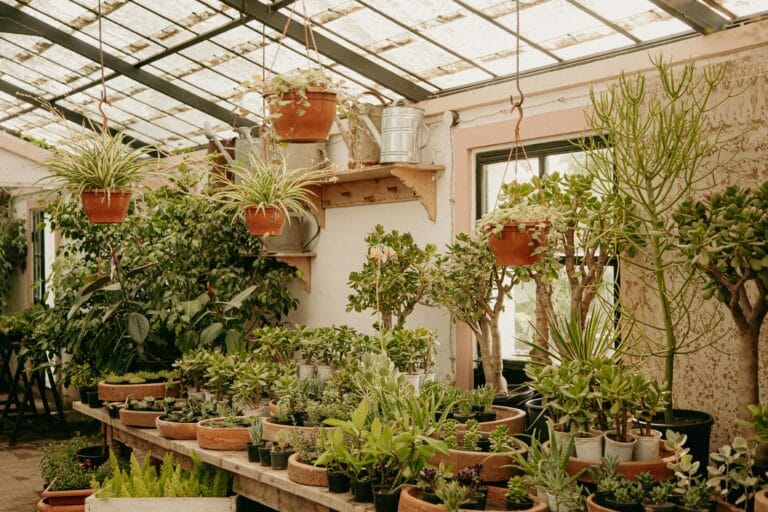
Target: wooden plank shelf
(379, 184)
(264, 485)
(299, 261)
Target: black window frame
(38, 256)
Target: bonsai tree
(393, 279)
(472, 287)
(266, 192)
(724, 237)
(663, 150)
(102, 169)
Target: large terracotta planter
(140, 419)
(222, 438)
(513, 419)
(121, 392)
(724, 506)
(593, 506)
(515, 247)
(44, 506)
(410, 501)
(306, 474)
(176, 430)
(270, 430)
(69, 497)
(315, 123)
(761, 501)
(103, 208)
(629, 470)
(267, 221)
(496, 466)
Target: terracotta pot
(141, 419)
(593, 506)
(315, 123)
(514, 247)
(271, 429)
(120, 392)
(629, 470)
(176, 430)
(63, 498)
(724, 506)
(222, 438)
(496, 466)
(103, 208)
(513, 419)
(264, 221)
(761, 501)
(410, 501)
(44, 506)
(306, 474)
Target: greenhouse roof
(175, 66)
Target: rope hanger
(104, 98)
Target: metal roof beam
(9, 26)
(161, 85)
(69, 115)
(279, 4)
(339, 53)
(695, 14)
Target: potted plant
(84, 378)
(250, 384)
(732, 475)
(118, 388)
(220, 375)
(412, 351)
(303, 467)
(617, 388)
(281, 450)
(517, 230)
(333, 455)
(144, 413)
(228, 432)
(266, 193)
(181, 422)
(192, 366)
(68, 479)
(302, 105)
(517, 494)
(102, 169)
(453, 495)
(255, 443)
(651, 400)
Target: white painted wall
(21, 163)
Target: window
(563, 157)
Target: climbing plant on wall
(13, 250)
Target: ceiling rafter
(699, 16)
(161, 85)
(69, 115)
(605, 21)
(333, 50)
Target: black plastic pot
(524, 505)
(621, 507)
(386, 501)
(513, 371)
(516, 398)
(279, 459)
(93, 400)
(362, 490)
(338, 482)
(485, 416)
(265, 456)
(536, 422)
(113, 412)
(431, 497)
(92, 456)
(253, 451)
(666, 507)
(476, 501)
(484, 444)
(462, 418)
(84, 394)
(697, 425)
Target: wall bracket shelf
(379, 184)
(299, 261)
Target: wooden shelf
(301, 261)
(380, 184)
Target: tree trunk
(498, 382)
(747, 387)
(543, 309)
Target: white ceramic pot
(324, 372)
(590, 447)
(619, 450)
(543, 496)
(552, 502)
(647, 447)
(306, 371)
(414, 379)
(563, 438)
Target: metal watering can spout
(369, 124)
(215, 139)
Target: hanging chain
(517, 106)
(104, 98)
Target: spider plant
(98, 161)
(267, 184)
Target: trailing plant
(297, 82)
(394, 277)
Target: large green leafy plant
(184, 246)
(13, 251)
(725, 238)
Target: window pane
(493, 175)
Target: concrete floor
(20, 482)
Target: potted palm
(266, 193)
(302, 105)
(102, 169)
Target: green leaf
(238, 299)
(211, 332)
(138, 327)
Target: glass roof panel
(744, 7)
(594, 45)
(640, 17)
(505, 64)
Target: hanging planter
(302, 115)
(265, 221)
(517, 234)
(106, 206)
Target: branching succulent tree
(725, 238)
(472, 287)
(663, 151)
(394, 277)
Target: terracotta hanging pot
(106, 207)
(295, 121)
(264, 221)
(513, 246)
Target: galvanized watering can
(296, 156)
(403, 134)
(361, 131)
